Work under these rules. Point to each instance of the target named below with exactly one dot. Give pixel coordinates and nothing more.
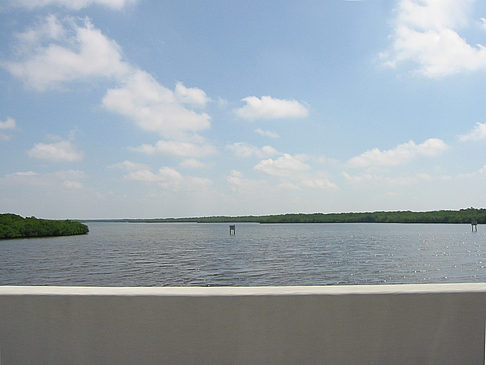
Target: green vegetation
(14, 226)
(439, 216)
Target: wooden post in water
(232, 230)
(474, 226)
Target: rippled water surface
(124, 254)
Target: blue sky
(139, 108)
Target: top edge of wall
(244, 291)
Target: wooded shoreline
(15, 226)
(461, 216)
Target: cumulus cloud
(166, 177)
(70, 179)
(57, 52)
(267, 107)
(298, 182)
(239, 183)
(177, 148)
(73, 184)
(153, 107)
(192, 163)
(170, 179)
(61, 151)
(8, 124)
(318, 183)
(426, 35)
(191, 96)
(293, 174)
(478, 133)
(373, 179)
(72, 4)
(265, 133)
(400, 154)
(49, 29)
(128, 165)
(285, 165)
(246, 150)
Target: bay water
(191, 254)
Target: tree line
(468, 215)
(15, 226)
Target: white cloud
(221, 102)
(24, 173)
(301, 182)
(378, 180)
(166, 177)
(290, 172)
(72, 4)
(481, 172)
(49, 29)
(431, 147)
(85, 55)
(170, 179)
(62, 151)
(399, 155)
(318, 183)
(153, 107)
(246, 150)
(265, 133)
(69, 179)
(129, 166)
(426, 34)
(192, 163)
(177, 148)
(239, 183)
(73, 184)
(191, 96)
(287, 185)
(8, 124)
(434, 14)
(267, 107)
(56, 52)
(478, 133)
(285, 165)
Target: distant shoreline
(462, 216)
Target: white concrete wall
(402, 324)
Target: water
(123, 254)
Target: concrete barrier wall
(402, 324)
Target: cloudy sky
(145, 108)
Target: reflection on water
(123, 254)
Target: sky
(151, 108)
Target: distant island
(468, 215)
(14, 226)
